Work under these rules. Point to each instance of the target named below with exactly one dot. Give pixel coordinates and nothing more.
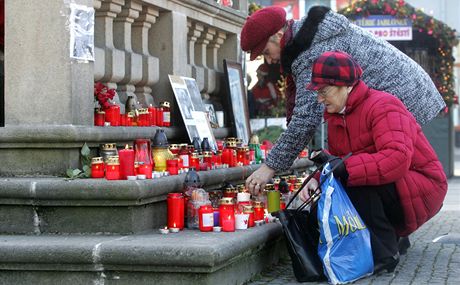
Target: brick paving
(426, 262)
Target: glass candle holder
(112, 115)
(112, 170)
(126, 157)
(175, 202)
(99, 118)
(206, 218)
(172, 166)
(259, 210)
(152, 115)
(227, 214)
(97, 167)
(166, 106)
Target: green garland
(445, 36)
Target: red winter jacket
(388, 146)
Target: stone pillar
(150, 64)
(194, 32)
(122, 41)
(168, 42)
(43, 85)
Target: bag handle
(317, 191)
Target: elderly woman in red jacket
(393, 176)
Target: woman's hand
(309, 188)
(256, 181)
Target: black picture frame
(238, 103)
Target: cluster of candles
(142, 117)
(236, 210)
(148, 159)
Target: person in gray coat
(298, 43)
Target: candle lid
(131, 114)
(96, 160)
(254, 139)
(165, 104)
(160, 139)
(207, 154)
(226, 201)
(100, 112)
(113, 160)
(107, 146)
(258, 204)
(269, 187)
(173, 146)
(175, 195)
(247, 209)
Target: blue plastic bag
(344, 247)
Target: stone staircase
(94, 231)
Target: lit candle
(112, 171)
(175, 205)
(164, 231)
(97, 167)
(126, 162)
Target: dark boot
(389, 264)
(403, 245)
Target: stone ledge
(189, 257)
(34, 136)
(59, 206)
(30, 150)
(91, 192)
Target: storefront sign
(387, 27)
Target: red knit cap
(259, 27)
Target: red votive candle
(227, 215)
(152, 115)
(159, 117)
(97, 167)
(206, 218)
(166, 113)
(112, 170)
(112, 115)
(258, 211)
(145, 169)
(99, 118)
(250, 211)
(144, 118)
(126, 162)
(176, 205)
(172, 165)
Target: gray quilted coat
(384, 68)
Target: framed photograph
(238, 99)
(211, 115)
(192, 109)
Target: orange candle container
(97, 167)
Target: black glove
(319, 157)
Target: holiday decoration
(445, 37)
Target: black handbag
(302, 235)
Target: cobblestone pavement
(426, 262)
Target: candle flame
(174, 225)
(126, 146)
(166, 228)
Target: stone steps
(187, 257)
(98, 206)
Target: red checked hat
(259, 27)
(334, 68)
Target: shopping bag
(301, 233)
(344, 246)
